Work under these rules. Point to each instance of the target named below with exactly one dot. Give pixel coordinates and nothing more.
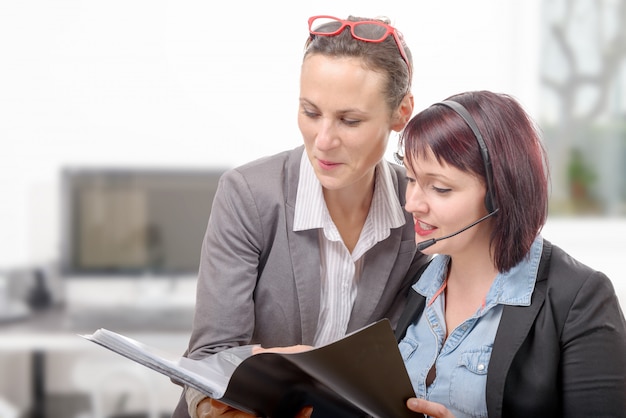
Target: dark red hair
(518, 157)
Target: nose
(326, 137)
(415, 199)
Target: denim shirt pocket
(468, 382)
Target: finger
(290, 349)
(218, 407)
(305, 412)
(203, 410)
(433, 409)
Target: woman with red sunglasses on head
(501, 323)
(307, 245)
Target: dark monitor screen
(134, 221)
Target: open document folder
(358, 376)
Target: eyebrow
(436, 176)
(429, 175)
(338, 111)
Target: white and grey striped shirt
(340, 270)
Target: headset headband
(484, 152)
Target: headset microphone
(421, 246)
(484, 152)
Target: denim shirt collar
(514, 287)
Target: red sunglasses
(356, 29)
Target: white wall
(201, 83)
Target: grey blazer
(259, 282)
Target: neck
(474, 272)
(348, 208)
(351, 199)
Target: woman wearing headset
(501, 323)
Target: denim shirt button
(481, 367)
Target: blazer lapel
(305, 259)
(374, 277)
(514, 327)
(305, 256)
(414, 306)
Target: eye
(441, 190)
(351, 122)
(310, 113)
(410, 179)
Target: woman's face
(344, 119)
(443, 200)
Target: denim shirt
(462, 361)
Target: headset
(484, 152)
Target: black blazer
(562, 356)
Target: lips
(327, 165)
(423, 229)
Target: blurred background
(117, 118)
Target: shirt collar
(310, 205)
(515, 287)
(311, 212)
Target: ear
(403, 113)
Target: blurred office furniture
(58, 357)
(133, 222)
(11, 307)
(129, 252)
(110, 385)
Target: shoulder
(398, 172)
(273, 165)
(275, 162)
(261, 187)
(569, 275)
(266, 173)
(398, 178)
(575, 290)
